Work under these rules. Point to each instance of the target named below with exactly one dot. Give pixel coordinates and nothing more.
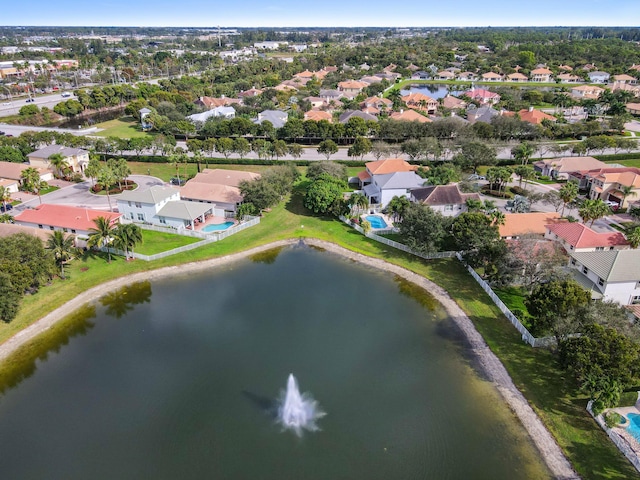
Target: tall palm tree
(358, 202)
(568, 193)
(127, 236)
(102, 235)
(32, 182)
(592, 210)
(633, 237)
(59, 163)
(5, 196)
(106, 178)
(627, 191)
(62, 248)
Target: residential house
(421, 75)
(217, 112)
(589, 67)
(625, 79)
(467, 76)
(577, 237)
(609, 275)
(608, 185)
(351, 88)
(317, 115)
(446, 199)
(586, 91)
(377, 102)
(76, 158)
(560, 168)
(370, 79)
(219, 188)
(453, 103)
(531, 115)
(383, 167)
(409, 116)
(565, 68)
(542, 75)
(420, 101)
(598, 77)
(633, 108)
(384, 187)
(483, 96)
(143, 206)
(569, 78)
(11, 175)
(76, 220)
(316, 102)
(491, 77)
(517, 225)
(445, 75)
(331, 95)
(306, 74)
(517, 77)
(277, 118)
(211, 102)
(482, 114)
(9, 229)
(633, 89)
(252, 92)
(347, 114)
(269, 45)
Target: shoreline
(487, 361)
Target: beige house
(609, 185)
(586, 91)
(491, 77)
(517, 77)
(10, 175)
(76, 158)
(218, 187)
(562, 167)
(420, 101)
(542, 75)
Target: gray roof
(153, 195)
(49, 150)
(277, 117)
(228, 112)
(345, 116)
(442, 195)
(395, 180)
(184, 210)
(612, 265)
(330, 93)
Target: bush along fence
(526, 335)
(207, 238)
(618, 440)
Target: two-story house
(577, 237)
(542, 75)
(598, 77)
(420, 101)
(384, 179)
(76, 158)
(609, 275)
(446, 199)
(611, 183)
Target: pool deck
(385, 217)
(631, 442)
(214, 220)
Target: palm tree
(497, 217)
(62, 248)
(633, 237)
(568, 193)
(593, 210)
(523, 152)
(627, 191)
(5, 197)
(102, 234)
(358, 201)
(32, 182)
(105, 179)
(127, 236)
(59, 163)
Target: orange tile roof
(210, 192)
(389, 165)
(535, 116)
(317, 115)
(364, 175)
(581, 236)
(352, 84)
(63, 216)
(628, 179)
(516, 224)
(541, 71)
(417, 98)
(409, 116)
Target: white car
(65, 94)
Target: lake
(179, 378)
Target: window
(601, 282)
(141, 217)
(131, 215)
(599, 248)
(448, 208)
(573, 261)
(138, 205)
(39, 226)
(163, 220)
(635, 300)
(73, 230)
(129, 203)
(50, 227)
(65, 229)
(585, 270)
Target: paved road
(78, 195)
(13, 105)
(17, 130)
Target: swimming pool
(376, 221)
(217, 227)
(634, 425)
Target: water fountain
(298, 411)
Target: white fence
(526, 335)
(208, 238)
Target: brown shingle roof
(442, 195)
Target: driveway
(78, 195)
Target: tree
(633, 237)
(325, 195)
(523, 152)
(5, 196)
(327, 148)
(120, 169)
(244, 210)
(60, 164)
(105, 179)
(627, 191)
(334, 169)
(32, 182)
(93, 168)
(241, 146)
(225, 146)
(259, 192)
(592, 210)
(548, 302)
(361, 146)
(358, 202)
(475, 154)
(379, 150)
(9, 298)
(62, 248)
(295, 150)
(477, 237)
(568, 193)
(126, 236)
(524, 172)
(279, 148)
(422, 228)
(398, 207)
(102, 234)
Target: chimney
(531, 109)
(401, 111)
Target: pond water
(92, 119)
(434, 91)
(179, 378)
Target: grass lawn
(165, 171)
(125, 127)
(635, 162)
(535, 371)
(156, 242)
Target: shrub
(612, 419)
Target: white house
(162, 206)
(446, 199)
(610, 275)
(386, 186)
(598, 77)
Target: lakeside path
(487, 362)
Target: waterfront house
(517, 225)
(445, 199)
(517, 77)
(598, 77)
(542, 75)
(420, 101)
(577, 237)
(491, 77)
(76, 220)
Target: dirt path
(491, 367)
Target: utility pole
(219, 42)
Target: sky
(328, 13)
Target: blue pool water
(376, 221)
(217, 227)
(634, 425)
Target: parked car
(30, 100)
(65, 94)
(177, 181)
(613, 205)
(9, 207)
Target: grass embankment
(635, 162)
(125, 127)
(156, 242)
(165, 171)
(534, 371)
